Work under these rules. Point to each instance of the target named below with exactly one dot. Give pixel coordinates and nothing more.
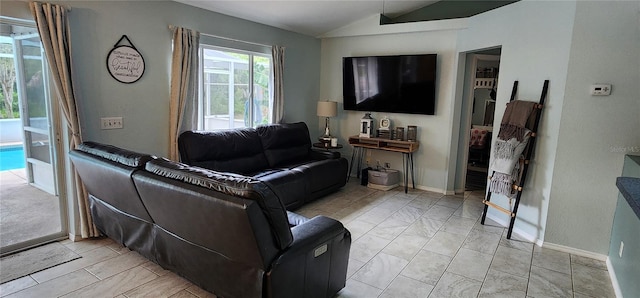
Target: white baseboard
(75, 238)
(520, 233)
(614, 279)
(575, 251)
(432, 189)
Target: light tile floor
(419, 244)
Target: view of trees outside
(34, 87)
(219, 78)
(9, 107)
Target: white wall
(535, 38)
(432, 158)
(596, 132)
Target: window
(236, 88)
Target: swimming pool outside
(11, 157)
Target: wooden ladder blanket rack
(524, 163)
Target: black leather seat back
(238, 217)
(235, 151)
(285, 143)
(106, 173)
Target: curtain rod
(229, 39)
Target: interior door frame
(467, 114)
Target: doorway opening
(31, 210)
(477, 119)
(482, 115)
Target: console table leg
(361, 153)
(413, 177)
(405, 169)
(354, 153)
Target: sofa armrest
(313, 233)
(324, 154)
(315, 264)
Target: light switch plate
(111, 123)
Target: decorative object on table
(334, 142)
(385, 124)
(366, 126)
(384, 128)
(399, 134)
(327, 109)
(383, 134)
(412, 133)
(125, 63)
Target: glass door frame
(54, 131)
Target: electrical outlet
(600, 89)
(621, 248)
(111, 123)
(387, 165)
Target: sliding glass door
(31, 207)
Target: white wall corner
(526, 236)
(614, 279)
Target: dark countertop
(630, 189)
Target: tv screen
(395, 84)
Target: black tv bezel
(349, 105)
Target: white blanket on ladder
(505, 165)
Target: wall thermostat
(600, 89)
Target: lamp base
(327, 135)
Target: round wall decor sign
(125, 63)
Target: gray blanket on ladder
(512, 140)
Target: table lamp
(327, 109)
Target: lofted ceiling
(317, 17)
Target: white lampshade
(327, 108)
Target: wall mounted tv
(395, 84)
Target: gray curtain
(277, 53)
(183, 110)
(53, 27)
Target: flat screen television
(395, 84)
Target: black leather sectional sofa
(279, 154)
(227, 233)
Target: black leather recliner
(227, 233)
(279, 154)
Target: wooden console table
(360, 145)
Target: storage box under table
(385, 179)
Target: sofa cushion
(235, 185)
(235, 151)
(285, 143)
(292, 186)
(323, 173)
